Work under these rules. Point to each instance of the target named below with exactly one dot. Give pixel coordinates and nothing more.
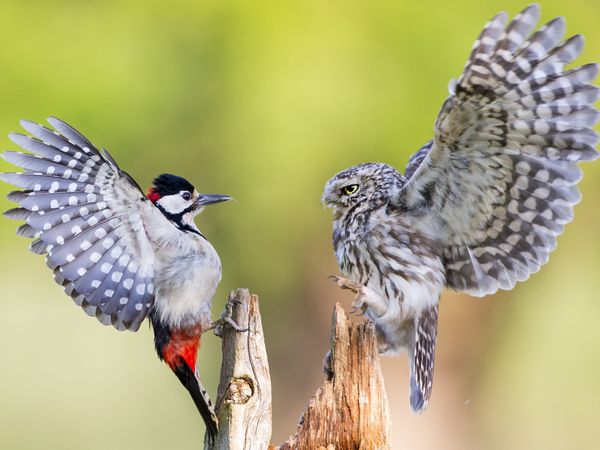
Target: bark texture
(244, 394)
(349, 411)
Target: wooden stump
(349, 411)
(244, 394)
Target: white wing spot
(85, 245)
(100, 233)
(95, 257)
(106, 267)
(542, 175)
(530, 203)
(128, 283)
(116, 276)
(116, 252)
(541, 127)
(76, 230)
(515, 225)
(123, 300)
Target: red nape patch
(183, 345)
(152, 195)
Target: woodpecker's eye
(350, 189)
(186, 195)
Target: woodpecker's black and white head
(179, 201)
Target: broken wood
(244, 394)
(349, 411)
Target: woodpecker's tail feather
(178, 348)
(422, 359)
(201, 399)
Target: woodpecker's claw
(227, 318)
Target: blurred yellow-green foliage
(265, 100)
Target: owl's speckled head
(368, 185)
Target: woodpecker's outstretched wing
(87, 215)
(499, 181)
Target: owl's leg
(366, 299)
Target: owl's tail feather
(422, 359)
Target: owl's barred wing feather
(87, 215)
(499, 181)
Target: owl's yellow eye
(350, 189)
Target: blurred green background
(265, 100)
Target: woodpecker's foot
(227, 318)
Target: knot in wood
(240, 390)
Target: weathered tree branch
(244, 393)
(349, 411)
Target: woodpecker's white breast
(187, 273)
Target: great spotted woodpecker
(120, 254)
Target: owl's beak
(209, 199)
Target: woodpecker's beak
(209, 199)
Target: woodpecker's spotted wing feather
(499, 181)
(87, 215)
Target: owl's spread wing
(499, 181)
(86, 214)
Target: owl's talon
(345, 283)
(359, 305)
